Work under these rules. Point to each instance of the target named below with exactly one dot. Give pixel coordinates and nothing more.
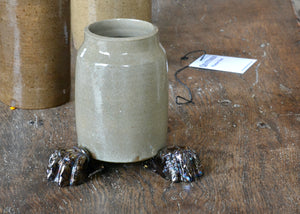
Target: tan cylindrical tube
(34, 53)
(85, 12)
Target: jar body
(85, 12)
(34, 53)
(121, 97)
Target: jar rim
(121, 29)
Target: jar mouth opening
(122, 29)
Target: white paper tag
(223, 63)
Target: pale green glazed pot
(121, 91)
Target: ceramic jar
(121, 91)
(34, 53)
(85, 12)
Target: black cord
(185, 57)
(190, 100)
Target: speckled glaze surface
(34, 53)
(85, 12)
(121, 91)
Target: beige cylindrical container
(121, 91)
(34, 53)
(85, 12)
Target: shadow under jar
(121, 91)
(34, 53)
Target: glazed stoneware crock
(121, 91)
(85, 12)
(34, 53)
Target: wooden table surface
(246, 128)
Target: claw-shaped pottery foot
(69, 166)
(177, 163)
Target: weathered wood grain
(245, 127)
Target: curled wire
(190, 99)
